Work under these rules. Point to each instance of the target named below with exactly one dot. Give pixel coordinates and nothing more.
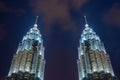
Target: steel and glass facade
(28, 63)
(93, 61)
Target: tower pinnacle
(86, 23)
(35, 25)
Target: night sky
(61, 23)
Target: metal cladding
(29, 57)
(92, 57)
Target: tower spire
(86, 23)
(35, 25)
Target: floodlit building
(28, 63)
(93, 61)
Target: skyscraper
(93, 61)
(28, 63)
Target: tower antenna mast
(35, 25)
(86, 23)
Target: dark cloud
(57, 12)
(7, 9)
(2, 32)
(112, 16)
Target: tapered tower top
(35, 25)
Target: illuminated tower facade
(93, 61)
(28, 63)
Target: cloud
(57, 12)
(112, 16)
(7, 9)
(2, 32)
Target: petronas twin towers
(93, 62)
(28, 63)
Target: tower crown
(32, 35)
(88, 33)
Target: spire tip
(35, 25)
(36, 20)
(86, 23)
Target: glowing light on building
(29, 58)
(93, 60)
